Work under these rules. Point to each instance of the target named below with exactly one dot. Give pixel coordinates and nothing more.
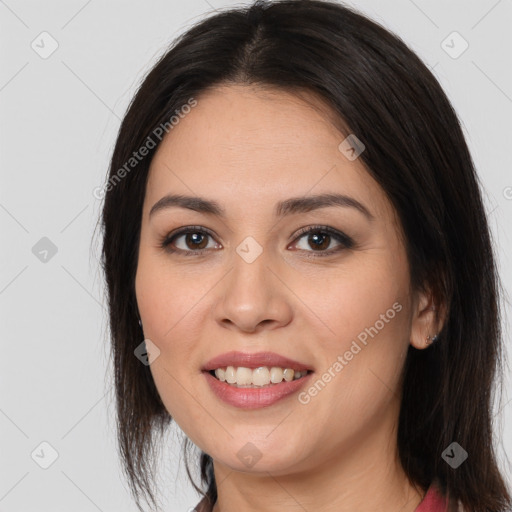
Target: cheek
(173, 306)
(170, 306)
(364, 343)
(361, 301)
(169, 301)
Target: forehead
(243, 145)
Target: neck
(365, 478)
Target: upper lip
(254, 360)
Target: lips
(255, 398)
(254, 360)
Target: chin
(260, 455)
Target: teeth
(262, 376)
(258, 376)
(288, 374)
(276, 375)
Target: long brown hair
(415, 149)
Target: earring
(429, 340)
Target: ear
(427, 321)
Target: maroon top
(433, 501)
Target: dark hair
(379, 90)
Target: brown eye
(320, 239)
(195, 241)
(188, 241)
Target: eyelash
(345, 241)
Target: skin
(247, 149)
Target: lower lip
(254, 398)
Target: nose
(253, 298)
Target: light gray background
(59, 118)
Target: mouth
(255, 380)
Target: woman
(293, 225)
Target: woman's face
(336, 305)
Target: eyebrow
(290, 206)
